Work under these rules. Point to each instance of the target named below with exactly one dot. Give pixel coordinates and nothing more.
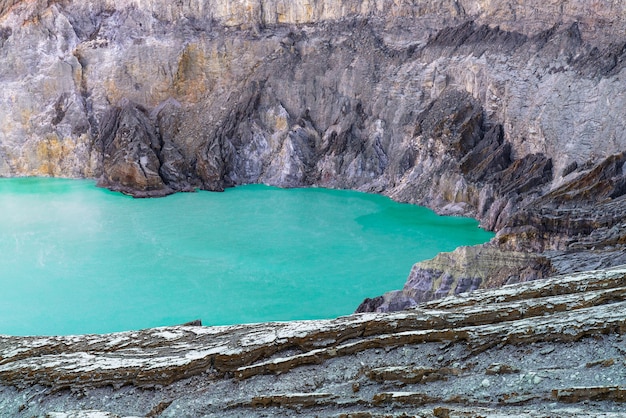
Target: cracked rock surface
(552, 344)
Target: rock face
(131, 151)
(509, 111)
(544, 348)
(463, 270)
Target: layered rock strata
(530, 349)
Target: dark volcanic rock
(510, 111)
(455, 119)
(524, 175)
(584, 213)
(369, 305)
(490, 156)
(605, 181)
(175, 170)
(130, 153)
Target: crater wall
(507, 111)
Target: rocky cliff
(507, 111)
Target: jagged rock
(605, 181)
(194, 323)
(524, 175)
(464, 270)
(455, 84)
(131, 150)
(585, 212)
(492, 109)
(175, 171)
(490, 156)
(370, 305)
(455, 119)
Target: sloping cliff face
(508, 111)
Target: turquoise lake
(77, 259)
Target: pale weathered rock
(555, 311)
(464, 270)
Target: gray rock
(429, 357)
(130, 153)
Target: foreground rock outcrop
(532, 349)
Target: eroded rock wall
(508, 111)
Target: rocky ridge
(531, 349)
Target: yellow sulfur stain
(25, 115)
(281, 123)
(191, 79)
(51, 154)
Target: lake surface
(78, 259)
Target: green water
(78, 259)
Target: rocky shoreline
(508, 111)
(551, 347)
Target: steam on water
(77, 259)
